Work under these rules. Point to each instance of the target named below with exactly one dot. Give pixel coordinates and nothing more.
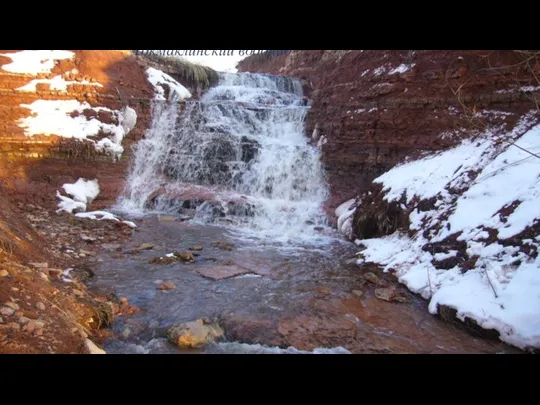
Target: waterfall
(237, 157)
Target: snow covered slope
(474, 231)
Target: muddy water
(300, 298)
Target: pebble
(1, 320)
(4, 273)
(77, 293)
(13, 325)
(44, 276)
(30, 314)
(40, 306)
(14, 288)
(34, 325)
(126, 332)
(167, 285)
(12, 305)
(6, 311)
(23, 320)
(358, 293)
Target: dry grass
(188, 73)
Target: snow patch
(56, 83)
(103, 215)
(82, 190)
(401, 69)
(52, 117)
(427, 177)
(158, 78)
(68, 205)
(379, 71)
(34, 62)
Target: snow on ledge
(158, 78)
(52, 117)
(56, 83)
(34, 62)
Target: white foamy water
(162, 346)
(239, 156)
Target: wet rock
(385, 294)
(390, 294)
(223, 245)
(140, 248)
(196, 247)
(220, 273)
(6, 311)
(40, 306)
(240, 208)
(82, 273)
(358, 293)
(167, 285)
(186, 256)
(111, 246)
(166, 218)
(92, 348)
(307, 333)
(162, 260)
(374, 279)
(194, 334)
(250, 149)
(402, 299)
(4, 273)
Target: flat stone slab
(166, 218)
(220, 273)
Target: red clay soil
(33, 168)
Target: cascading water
(238, 156)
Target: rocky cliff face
(34, 167)
(372, 108)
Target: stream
(233, 177)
